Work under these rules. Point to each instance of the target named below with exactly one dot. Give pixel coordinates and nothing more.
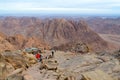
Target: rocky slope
(4, 44)
(70, 66)
(63, 66)
(20, 42)
(12, 63)
(105, 25)
(111, 38)
(52, 31)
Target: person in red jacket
(38, 56)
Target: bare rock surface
(96, 75)
(63, 66)
(71, 66)
(12, 63)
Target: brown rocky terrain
(12, 63)
(70, 66)
(21, 42)
(72, 36)
(107, 28)
(115, 39)
(63, 66)
(76, 47)
(105, 25)
(4, 44)
(55, 32)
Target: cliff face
(52, 31)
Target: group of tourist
(39, 56)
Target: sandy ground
(111, 38)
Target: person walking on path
(53, 53)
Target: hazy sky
(105, 7)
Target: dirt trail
(67, 61)
(34, 71)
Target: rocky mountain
(105, 25)
(54, 31)
(22, 42)
(19, 42)
(4, 44)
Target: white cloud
(73, 6)
(61, 4)
(66, 10)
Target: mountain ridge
(53, 31)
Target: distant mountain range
(105, 25)
(52, 31)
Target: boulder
(3, 68)
(13, 63)
(3, 71)
(81, 48)
(15, 77)
(96, 75)
(66, 75)
(9, 67)
(49, 64)
(16, 60)
(29, 57)
(17, 71)
(28, 77)
(116, 54)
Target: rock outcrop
(49, 64)
(5, 45)
(77, 47)
(12, 63)
(97, 65)
(21, 42)
(96, 75)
